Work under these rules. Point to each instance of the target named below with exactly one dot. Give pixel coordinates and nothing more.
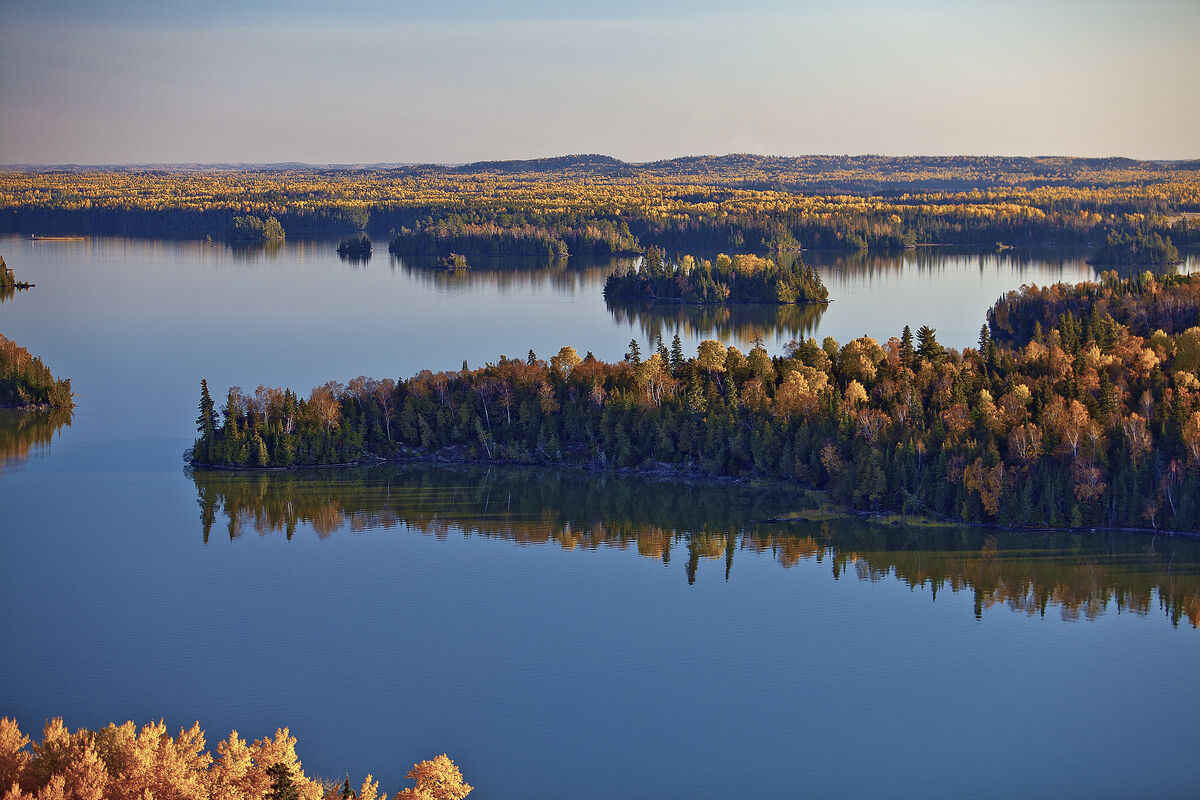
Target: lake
(557, 633)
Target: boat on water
(39, 238)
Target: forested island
(740, 279)
(1080, 407)
(357, 247)
(598, 205)
(1135, 248)
(25, 382)
(514, 237)
(251, 229)
(120, 762)
(8, 282)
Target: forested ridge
(592, 204)
(1064, 415)
(124, 762)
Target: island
(8, 281)
(738, 279)
(1080, 407)
(251, 229)
(355, 247)
(1135, 248)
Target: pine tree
(676, 352)
(283, 786)
(927, 344)
(906, 347)
(634, 356)
(205, 425)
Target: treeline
(1086, 424)
(1094, 311)
(740, 279)
(123, 762)
(511, 236)
(25, 382)
(738, 203)
(1138, 247)
(703, 529)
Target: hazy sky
(145, 81)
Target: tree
(634, 356)
(676, 352)
(927, 345)
(283, 785)
(906, 347)
(438, 779)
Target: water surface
(559, 634)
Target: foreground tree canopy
(1080, 407)
(122, 762)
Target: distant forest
(598, 205)
(1079, 407)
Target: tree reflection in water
(1081, 575)
(23, 433)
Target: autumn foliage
(592, 204)
(1092, 418)
(123, 762)
(26, 382)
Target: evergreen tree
(676, 352)
(634, 356)
(927, 345)
(283, 784)
(205, 424)
(906, 347)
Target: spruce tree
(283, 786)
(634, 356)
(205, 425)
(676, 352)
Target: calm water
(558, 634)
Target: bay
(557, 633)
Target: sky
(141, 81)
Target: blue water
(544, 672)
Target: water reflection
(567, 275)
(254, 252)
(686, 526)
(744, 321)
(25, 433)
(355, 259)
